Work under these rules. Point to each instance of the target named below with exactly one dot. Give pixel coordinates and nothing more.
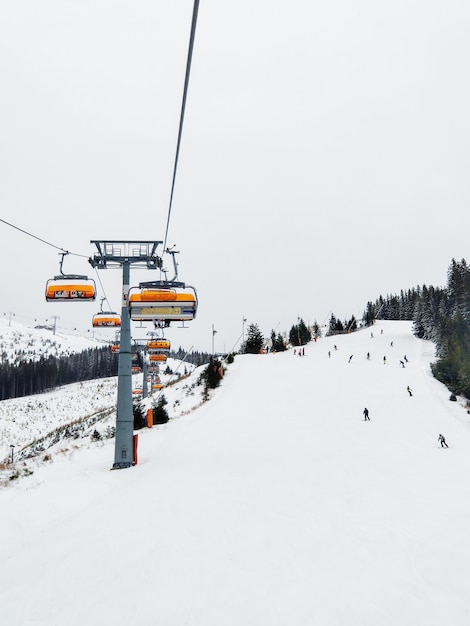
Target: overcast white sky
(324, 160)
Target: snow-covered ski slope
(274, 503)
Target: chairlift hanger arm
(62, 254)
(67, 276)
(70, 287)
(175, 264)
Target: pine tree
(335, 326)
(159, 413)
(138, 413)
(305, 335)
(316, 329)
(351, 325)
(213, 373)
(255, 340)
(277, 342)
(299, 334)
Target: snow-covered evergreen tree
(255, 340)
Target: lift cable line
(160, 302)
(183, 107)
(63, 250)
(172, 378)
(103, 289)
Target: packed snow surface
(272, 503)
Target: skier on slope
(442, 441)
(366, 415)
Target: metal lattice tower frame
(143, 254)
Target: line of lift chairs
(160, 302)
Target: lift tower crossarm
(112, 253)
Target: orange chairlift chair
(70, 287)
(163, 301)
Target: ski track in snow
(273, 503)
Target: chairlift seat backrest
(106, 319)
(70, 289)
(162, 304)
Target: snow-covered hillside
(19, 342)
(73, 411)
(273, 503)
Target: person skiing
(366, 415)
(350, 358)
(442, 441)
(409, 390)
